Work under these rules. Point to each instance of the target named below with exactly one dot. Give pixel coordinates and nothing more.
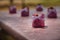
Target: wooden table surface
(21, 27)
